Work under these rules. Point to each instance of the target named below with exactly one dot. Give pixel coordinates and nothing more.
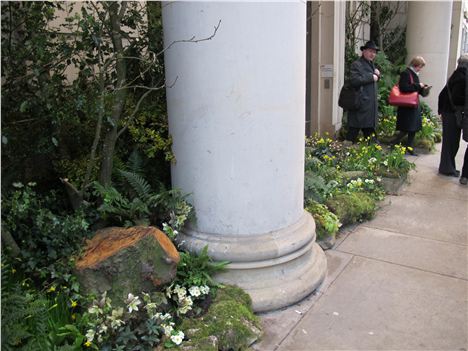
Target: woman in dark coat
(451, 132)
(409, 119)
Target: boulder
(126, 260)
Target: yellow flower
(74, 304)
(87, 344)
(73, 316)
(378, 147)
(13, 270)
(51, 289)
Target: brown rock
(127, 260)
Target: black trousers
(401, 135)
(450, 143)
(353, 133)
(465, 164)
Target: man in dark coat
(364, 77)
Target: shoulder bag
(350, 98)
(400, 99)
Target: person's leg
(396, 140)
(352, 134)
(464, 175)
(369, 133)
(450, 143)
(410, 144)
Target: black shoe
(464, 180)
(452, 174)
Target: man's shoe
(411, 152)
(463, 180)
(453, 174)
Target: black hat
(370, 45)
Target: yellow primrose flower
(73, 316)
(378, 147)
(13, 270)
(74, 304)
(87, 344)
(51, 289)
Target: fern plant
(198, 269)
(140, 205)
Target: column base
(276, 269)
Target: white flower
(195, 291)
(177, 338)
(114, 318)
(385, 163)
(181, 292)
(90, 335)
(133, 302)
(186, 305)
(204, 289)
(94, 310)
(168, 328)
(372, 160)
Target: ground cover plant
(343, 183)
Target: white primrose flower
(205, 289)
(168, 328)
(90, 335)
(177, 338)
(372, 160)
(195, 291)
(385, 163)
(186, 305)
(181, 292)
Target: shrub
(326, 222)
(352, 207)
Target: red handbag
(397, 98)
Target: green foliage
(138, 326)
(32, 320)
(45, 237)
(326, 222)
(138, 204)
(198, 269)
(230, 319)
(352, 207)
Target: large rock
(127, 260)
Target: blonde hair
(418, 61)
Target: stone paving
(397, 282)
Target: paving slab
(426, 180)
(432, 217)
(278, 324)
(376, 305)
(425, 254)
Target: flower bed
(344, 183)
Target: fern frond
(135, 163)
(138, 183)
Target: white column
(428, 35)
(236, 115)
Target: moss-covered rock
(229, 324)
(126, 260)
(352, 207)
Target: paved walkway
(398, 282)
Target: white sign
(326, 71)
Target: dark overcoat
(362, 78)
(409, 119)
(456, 83)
